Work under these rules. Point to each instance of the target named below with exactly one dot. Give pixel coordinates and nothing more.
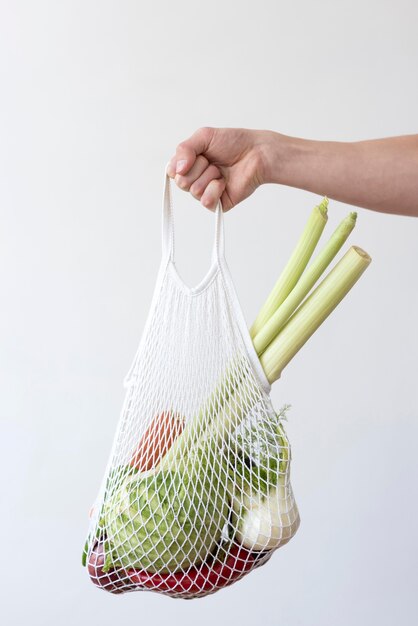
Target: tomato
(157, 440)
(207, 578)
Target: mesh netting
(197, 491)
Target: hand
(230, 163)
(220, 163)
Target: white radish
(266, 522)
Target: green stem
(243, 396)
(310, 315)
(294, 267)
(308, 279)
(224, 390)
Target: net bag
(197, 489)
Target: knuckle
(206, 131)
(216, 183)
(214, 172)
(202, 159)
(182, 146)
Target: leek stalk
(295, 266)
(310, 315)
(308, 279)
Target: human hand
(220, 163)
(230, 163)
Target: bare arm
(230, 163)
(380, 174)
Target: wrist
(284, 159)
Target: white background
(95, 96)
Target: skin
(231, 163)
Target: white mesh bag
(197, 489)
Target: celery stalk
(295, 266)
(308, 279)
(310, 315)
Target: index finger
(188, 150)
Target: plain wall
(94, 97)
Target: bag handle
(168, 225)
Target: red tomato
(157, 440)
(202, 580)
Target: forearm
(379, 174)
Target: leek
(276, 322)
(295, 266)
(310, 315)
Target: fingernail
(180, 165)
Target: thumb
(188, 150)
